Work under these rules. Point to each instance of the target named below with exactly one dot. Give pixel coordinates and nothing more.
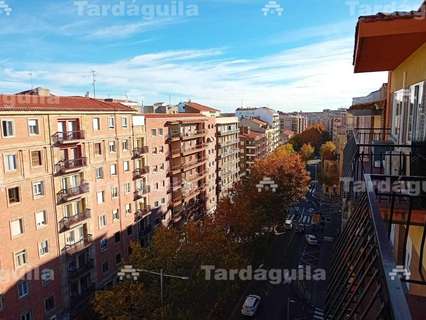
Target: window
(129, 230)
(112, 147)
(118, 258)
(163, 200)
(8, 128)
(160, 132)
(155, 150)
(128, 208)
(114, 192)
(103, 244)
(162, 166)
(1, 302)
(154, 132)
(100, 197)
(99, 173)
(36, 159)
(113, 169)
(157, 186)
(44, 247)
(21, 258)
(115, 214)
(127, 187)
(14, 195)
(49, 304)
(102, 221)
(161, 149)
(155, 169)
(33, 128)
(98, 148)
(10, 162)
(125, 145)
(26, 316)
(124, 122)
(105, 267)
(38, 188)
(126, 166)
(16, 228)
(23, 288)
(96, 124)
(117, 237)
(156, 204)
(111, 122)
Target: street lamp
(288, 307)
(161, 274)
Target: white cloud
(309, 77)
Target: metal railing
(138, 173)
(69, 165)
(138, 194)
(68, 222)
(139, 152)
(228, 132)
(80, 245)
(84, 267)
(141, 213)
(68, 136)
(65, 194)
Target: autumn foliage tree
(315, 135)
(230, 239)
(307, 151)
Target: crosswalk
(318, 314)
(302, 219)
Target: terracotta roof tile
(57, 103)
(200, 107)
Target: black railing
(141, 213)
(68, 193)
(79, 245)
(363, 283)
(68, 222)
(139, 152)
(84, 267)
(139, 194)
(140, 172)
(69, 165)
(68, 136)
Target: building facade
(296, 122)
(253, 146)
(68, 200)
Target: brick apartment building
(253, 146)
(67, 199)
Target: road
(286, 253)
(290, 250)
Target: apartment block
(228, 158)
(267, 115)
(253, 146)
(296, 122)
(68, 199)
(385, 221)
(182, 159)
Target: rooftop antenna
(94, 82)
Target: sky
(223, 53)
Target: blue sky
(224, 53)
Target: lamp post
(289, 301)
(160, 274)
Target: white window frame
(24, 254)
(38, 224)
(99, 170)
(38, 189)
(23, 293)
(36, 127)
(96, 123)
(43, 250)
(111, 122)
(115, 215)
(124, 122)
(113, 169)
(112, 145)
(13, 227)
(7, 162)
(12, 135)
(126, 166)
(100, 197)
(103, 247)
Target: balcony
(66, 166)
(387, 223)
(193, 134)
(194, 149)
(71, 193)
(67, 222)
(187, 165)
(84, 243)
(139, 194)
(223, 144)
(83, 268)
(139, 152)
(82, 297)
(142, 213)
(139, 173)
(228, 132)
(68, 137)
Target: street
(295, 300)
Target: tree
(315, 135)
(307, 151)
(328, 150)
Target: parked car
(288, 224)
(251, 305)
(311, 239)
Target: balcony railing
(68, 137)
(363, 282)
(197, 148)
(139, 152)
(84, 267)
(372, 151)
(85, 242)
(141, 213)
(70, 193)
(67, 222)
(65, 166)
(193, 134)
(139, 173)
(139, 194)
(228, 132)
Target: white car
(288, 224)
(251, 305)
(311, 239)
